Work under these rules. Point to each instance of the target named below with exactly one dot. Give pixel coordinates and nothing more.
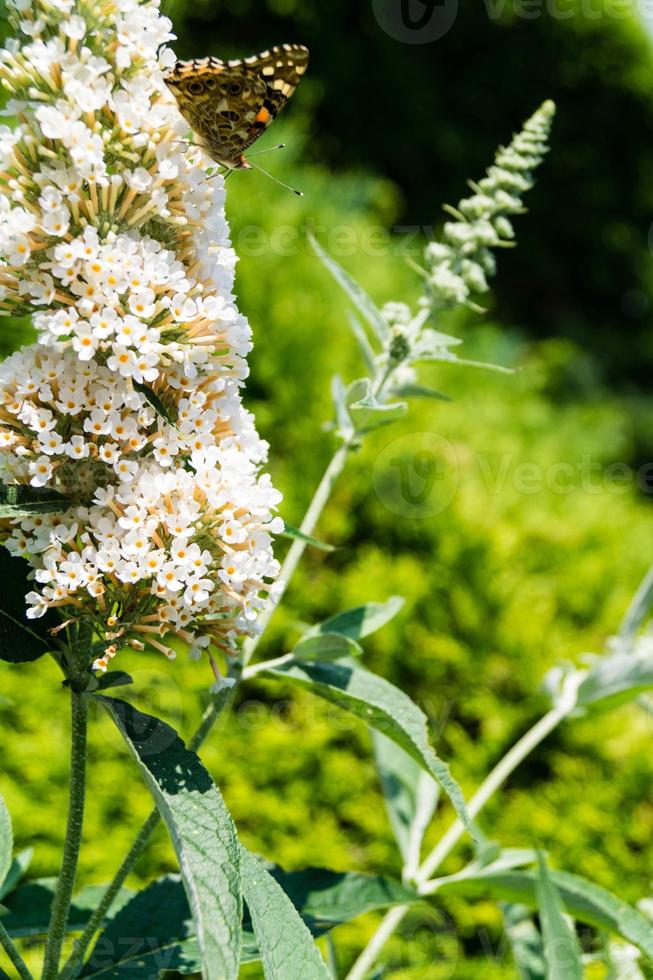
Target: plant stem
(212, 713)
(316, 506)
(66, 882)
(507, 765)
(74, 961)
(13, 954)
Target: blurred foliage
(425, 114)
(511, 571)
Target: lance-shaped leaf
(411, 796)
(296, 535)
(367, 412)
(17, 871)
(381, 705)
(201, 830)
(154, 927)
(6, 841)
(21, 640)
(525, 941)
(616, 679)
(28, 907)
(356, 293)
(581, 898)
(561, 949)
(285, 943)
(25, 501)
(157, 404)
(366, 349)
(327, 646)
(327, 898)
(639, 608)
(362, 621)
(420, 391)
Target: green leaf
(28, 907)
(17, 871)
(295, 534)
(285, 943)
(178, 958)
(356, 293)
(22, 640)
(367, 412)
(156, 920)
(328, 898)
(114, 678)
(561, 949)
(639, 608)
(582, 899)
(26, 501)
(420, 391)
(525, 941)
(382, 706)
(411, 796)
(6, 841)
(362, 621)
(201, 830)
(327, 646)
(157, 404)
(339, 396)
(616, 679)
(361, 338)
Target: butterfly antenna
(268, 149)
(255, 166)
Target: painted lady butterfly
(229, 104)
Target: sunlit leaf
(296, 535)
(286, 945)
(381, 705)
(362, 621)
(561, 949)
(411, 796)
(327, 646)
(201, 830)
(356, 293)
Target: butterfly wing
(230, 104)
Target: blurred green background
(512, 569)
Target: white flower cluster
(129, 404)
(458, 267)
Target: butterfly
(229, 104)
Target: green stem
(212, 713)
(66, 881)
(74, 962)
(313, 514)
(507, 765)
(75, 959)
(16, 959)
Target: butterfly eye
(236, 88)
(196, 88)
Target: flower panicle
(129, 403)
(459, 265)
